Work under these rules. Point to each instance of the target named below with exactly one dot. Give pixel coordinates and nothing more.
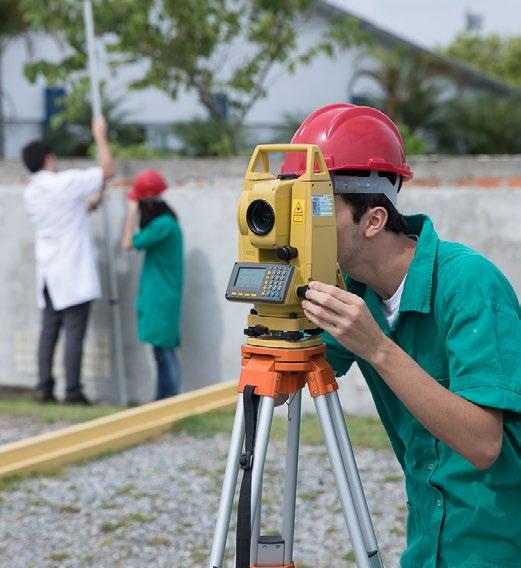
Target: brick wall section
(483, 172)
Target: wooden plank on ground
(120, 430)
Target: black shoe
(45, 397)
(78, 398)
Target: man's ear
(374, 221)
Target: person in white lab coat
(66, 269)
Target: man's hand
(132, 211)
(346, 317)
(100, 134)
(126, 243)
(94, 202)
(99, 129)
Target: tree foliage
(410, 85)
(480, 123)
(12, 20)
(69, 131)
(497, 56)
(195, 45)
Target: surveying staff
(158, 303)
(66, 268)
(435, 329)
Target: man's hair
(361, 202)
(34, 154)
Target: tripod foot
(291, 565)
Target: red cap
(351, 138)
(146, 185)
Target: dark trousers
(74, 320)
(168, 372)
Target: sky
(432, 23)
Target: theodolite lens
(260, 217)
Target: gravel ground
(155, 506)
(17, 428)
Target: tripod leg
(255, 532)
(290, 480)
(353, 478)
(256, 520)
(259, 459)
(230, 481)
(344, 491)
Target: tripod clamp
(246, 461)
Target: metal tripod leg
(228, 491)
(290, 480)
(353, 478)
(261, 448)
(277, 550)
(267, 405)
(343, 488)
(256, 520)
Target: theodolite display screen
(266, 282)
(250, 279)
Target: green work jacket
(459, 319)
(161, 284)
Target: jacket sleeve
(155, 232)
(338, 356)
(82, 183)
(483, 339)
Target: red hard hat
(351, 137)
(147, 184)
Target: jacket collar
(417, 291)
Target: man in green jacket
(435, 329)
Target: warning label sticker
(298, 211)
(322, 205)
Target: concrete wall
(205, 194)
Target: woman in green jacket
(160, 288)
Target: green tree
(69, 131)
(480, 123)
(411, 85)
(414, 145)
(195, 45)
(12, 23)
(497, 56)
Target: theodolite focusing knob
(301, 291)
(287, 252)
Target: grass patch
(159, 541)
(364, 431)
(111, 527)
(125, 490)
(59, 556)
(69, 509)
(10, 482)
(138, 518)
(393, 479)
(39, 503)
(126, 521)
(52, 413)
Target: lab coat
(66, 257)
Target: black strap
(243, 540)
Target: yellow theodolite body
(287, 227)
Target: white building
(324, 81)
